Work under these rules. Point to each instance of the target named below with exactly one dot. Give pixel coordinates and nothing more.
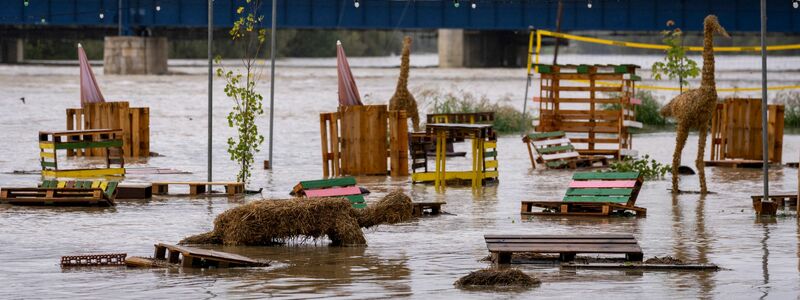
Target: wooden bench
(199, 187)
(63, 193)
(594, 194)
(566, 246)
(191, 257)
(555, 151)
(432, 208)
(334, 187)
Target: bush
(507, 119)
(647, 112)
(647, 167)
(791, 102)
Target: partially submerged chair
(594, 194)
(334, 187)
(67, 193)
(555, 151)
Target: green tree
(675, 63)
(240, 87)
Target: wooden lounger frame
(594, 194)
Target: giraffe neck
(708, 57)
(402, 82)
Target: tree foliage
(675, 63)
(240, 87)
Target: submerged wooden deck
(201, 258)
(566, 246)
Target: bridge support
(12, 51)
(135, 55)
(460, 48)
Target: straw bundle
(270, 222)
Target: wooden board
(197, 257)
(334, 191)
(567, 246)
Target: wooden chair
(555, 151)
(594, 194)
(334, 187)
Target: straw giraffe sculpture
(693, 109)
(402, 98)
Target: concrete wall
(12, 51)
(459, 48)
(135, 55)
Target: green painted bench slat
(555, 149)
(359, 205)
(48, 164)
(48, 184)
(82, 145)
(611, 199)
(490, 154)
(326, 183)
(583, 69)
(599, 192)
(112, 185)
(355, 199)
(556, 164)
(603, 175)
(542, 135)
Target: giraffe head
(712, 23)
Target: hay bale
(495, 277)
(395, 207)
(271, 222)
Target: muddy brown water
(418, 259)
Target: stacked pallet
(133, 121)
(594, 102)
(736, 133)
(335, 187)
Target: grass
(791, 102)
(507, 119)
(647, 112)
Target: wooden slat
(554, 149)
(634, 124)
(556, 236)
(490, 163)
(599, 192)
(560, 155)
(603, 184)
(544, 143)
(559, 248)
(335, 191)
(611, 199)
(325, 183)
(561, 240)
(542, 135)
(605, 175)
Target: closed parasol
(90, 91)
(348, 92)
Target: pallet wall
(134, 122)
(736, 130)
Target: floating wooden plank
(232, 188)
(190, 257)
(641, 266)
(113, 259)
(503, 247)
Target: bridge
(466, 23)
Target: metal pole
(764, 136)
(210, 81)
(119, 18)
(272, 79)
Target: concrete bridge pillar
(460, 48)
(135, 55)
(12, 51)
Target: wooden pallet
(502, 247)
(736, 127)
(190, 257)
(555, 151)
(735, 163)
(133, 121)
(113, 259)
(594, 194)
(199, 187)
(55, 196)
(431, 208)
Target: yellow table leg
(442, 141)
(479, 162)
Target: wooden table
(478, 133)
(567, 246)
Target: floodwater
(418, 259)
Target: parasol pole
(764, 134)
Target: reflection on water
(418, 259)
